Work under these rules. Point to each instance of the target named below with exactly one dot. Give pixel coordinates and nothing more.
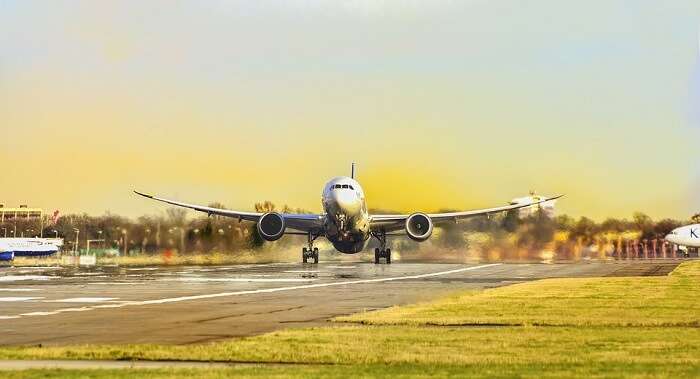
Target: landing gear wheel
(381, 251)
(311, 252)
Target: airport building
(7, 214)
(21, 213)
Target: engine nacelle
(271, 226)
(419, 227)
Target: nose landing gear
(307, 254)
(311, 252)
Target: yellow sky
(448, 106)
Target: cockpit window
(339, 186)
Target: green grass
(599, 327)
(648, 301)
(415, 345)
(663, 370)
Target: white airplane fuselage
(28, 246)
(688, 235)
(347, 220)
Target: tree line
(507, 232)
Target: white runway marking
(250, 292)
(257, 280)
(13, 278)
(83, 300)
(8, 317)
(143, 269)
(18, 289)
(19, 298)
(36, 314)
(81, 309)
(88, 274)
(302, 272)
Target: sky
(442, 104)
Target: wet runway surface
(192, 304)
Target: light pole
(75, 247)
(56, 231)
(182, 237)
(126, 241)
(144, 243)
(182, 240)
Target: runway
(193, 304)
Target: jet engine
(419, 227)
(271, 226)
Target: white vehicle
(345, 221)
(27, 247)
(688, 236)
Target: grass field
(648, 301)
(385, 371)
(599, 327)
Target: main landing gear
(311, 252)
(382, 251)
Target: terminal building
(21, 213)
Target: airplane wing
(300, 222)
(396, 222)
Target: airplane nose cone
(672, 237)
(347, 201)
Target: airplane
(26, 247)
(345, 222)
(546, 207)
(688, 236)
(6, 253)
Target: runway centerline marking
(251, 292)
(82, 300)
(19, 298)
(18, 289)
(301, 272)
(244, 280)
(13, 278)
